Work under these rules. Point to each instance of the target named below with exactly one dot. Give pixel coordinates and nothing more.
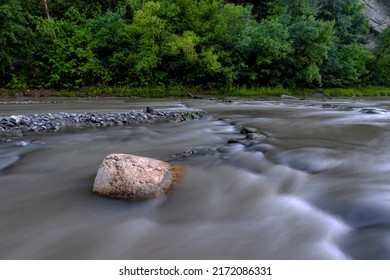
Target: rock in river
(134, 177)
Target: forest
(212, 44)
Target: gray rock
(256, 136)
(134, 177)
(149, 110)
(378, 12)
(248, 129)
(14, 120)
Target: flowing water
(318, 187)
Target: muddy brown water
(318, 187)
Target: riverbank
(194, 92)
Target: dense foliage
(206, 43)
(382, 53)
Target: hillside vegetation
(207, 44)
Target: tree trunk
(44, 2)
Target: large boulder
(134, 177)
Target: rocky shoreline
(18, 125)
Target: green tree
(227, 27)
(148, 31)
(350, 22)
(90, 8)
(111, 44)
(346, 65)
(189, 49)
(16, 39)
(209, 43)
(297, 8)
(381, 72)
(262, 47)
(312, 40)
(260, 9)
(68, 60)
(347, 61)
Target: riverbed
(315, 185)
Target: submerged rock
(252, 136)
(22, 144)
(249, 139)
(248, 129)
(372, 111)
(186, 116)
(134, 177)
(257, 136)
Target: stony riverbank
(18, 125)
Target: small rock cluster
(251, 136)
(252, 139)
(54, 122)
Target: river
(316, 187)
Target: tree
(262, 47)
(68, 61)
(297, 8)
(178, 43)
(347, 62)
(312, 39)
(148, 30)
(207, 43)
(346, 65)
(381, 72)
(16, 37)
(260, 9)
(45, 6)
(350, 22)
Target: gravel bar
(21, 124)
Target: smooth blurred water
(318, 187)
